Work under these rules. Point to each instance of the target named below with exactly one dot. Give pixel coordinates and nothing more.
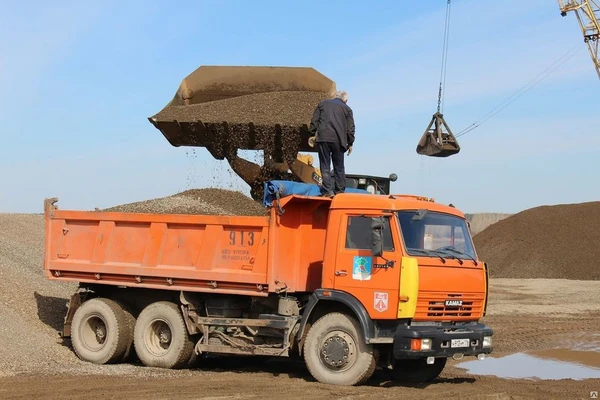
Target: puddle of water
(547, 365)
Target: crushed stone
(290, 108)
(210, 201)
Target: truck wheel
(129, 313)
(335, 351)
(102, 331)
(417, 371)
(160, 337)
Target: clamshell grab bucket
(438, 140)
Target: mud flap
(438, 140)
(76, 300)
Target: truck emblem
(361, 269)
(380, 300)
(453, 303)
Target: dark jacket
(333, 121)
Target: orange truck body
(302, 252)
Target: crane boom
(587, 13)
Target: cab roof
(392, 202)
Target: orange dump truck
(349, 284)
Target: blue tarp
(274, 189)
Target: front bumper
(441, 340)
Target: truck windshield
(434, 234)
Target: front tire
(417, 371)
(335, 351)
(102, 331)
(161, 339)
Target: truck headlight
(487, 341)
(426, 344)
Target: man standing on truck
(332, 129)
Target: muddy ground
(526, 315)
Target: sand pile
(197, 201)
(561, 241)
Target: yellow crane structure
(587, 13)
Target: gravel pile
(29, 307)
(265, 109)
(559, 241)
(197, 201)
(32, 309)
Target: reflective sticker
(380, 301)
(361, 270)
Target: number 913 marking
(241, 238)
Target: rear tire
(417, 371)
(161, 339)
(102, 331)
(335, 351)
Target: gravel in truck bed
(210, 201)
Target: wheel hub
(335, 351)
(93, 332)
(158, 337)
(165, 336)
(100, 333)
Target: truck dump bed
(221, 254)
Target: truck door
(373, 280)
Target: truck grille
(432, 306)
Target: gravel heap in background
(197, 201)
(561, 241)
(267, 109)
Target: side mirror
(377, 224)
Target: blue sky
(79, 79)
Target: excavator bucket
(438, 140)
(230, 108)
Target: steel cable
(524, 89)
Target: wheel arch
(324, 301)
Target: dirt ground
(527, 315)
